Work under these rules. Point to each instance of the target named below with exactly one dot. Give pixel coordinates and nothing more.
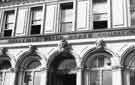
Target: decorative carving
(13, 70)
(3, 51)
(32, 48)
(63, 45)
(100, 44)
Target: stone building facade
(67, 42)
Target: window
(36, 14)
(4, 73)
(130, 73)
(132, 12)
(100, 14)
(9, 21)
(66, 17)
(31, 74)
(62, 70)
(98, 71)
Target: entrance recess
(62, 70)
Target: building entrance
(67, 79)
(62, 70)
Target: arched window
(62, 70)
(97, 70)
(129, 72)
(29, 72)
(4, 70)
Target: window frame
(29, 25)
(4, 71)
(129, 7)
(73, 16)
(4, 21)
(109, 20)
(99, 69)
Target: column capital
(117, 67)
(44, 69)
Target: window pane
(9, 26)
(33, 64)
(132, 2)
(107, 78)
(99, 7)
(35, 29)
(36, 20)
(37, 15)
(67, 27)
(94, 78)
(132, 77)
(100, 24)
(4, 64)
(9, 23)
(10, 17)
(67, 15)
(7, 33)
(132, 15)
(28, 78)
(100, 16)
(86, 77)
(132, 11)
(37, 78)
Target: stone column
(44, 76)
(117, 76)
(79, 76)
(13, 74)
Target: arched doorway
(5, 65)
(128, 62)
(28, 70)
(62, 70)
(97, 69)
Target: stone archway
(62, 69)
(29, 68)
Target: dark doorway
(67, 79)
(62, 70)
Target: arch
(23, 56)
(127, 54)
(61, 67)
(94, 50)
(55, 53)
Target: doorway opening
(62, 70)
(67, 79)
